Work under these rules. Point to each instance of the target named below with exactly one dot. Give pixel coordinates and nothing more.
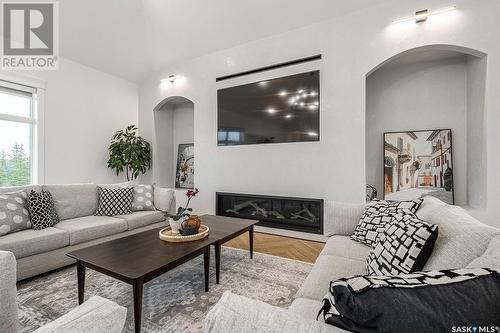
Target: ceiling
(133, 38)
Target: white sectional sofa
(462, 242)
(39, 251)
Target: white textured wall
(83, 109)
(333, 169)
(419, 96)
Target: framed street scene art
(417, 164)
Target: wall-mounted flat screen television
(280, 110)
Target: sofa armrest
(235, 313)
(8, 293)
(341, 218)
(96, 315)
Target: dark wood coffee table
(139, 258)
(223, 229)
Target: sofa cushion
(164, 198)
(141, 219)
(341, 218)
(377, 215)
(95, 315)
(344, 246)
(429, 302)
(13, 213)
(114, 201)
(461, 238)
(234, 313)
(429, 206)
(29, 242)
(83, 229)
(305, 307)
(404, 247)
(326, 269)
(36, 188)
(143, 198)
(490, 258)
(73, 200)
(43, 214)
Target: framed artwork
(417, 164)
(184, 174)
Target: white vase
(176, 225)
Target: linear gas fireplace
(298, 214)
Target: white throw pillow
(163, 198)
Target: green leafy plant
(129, 153)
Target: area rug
(175, 301)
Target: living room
(230, 166)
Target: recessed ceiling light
(283, 93)
(313, 93)
(301, 91)
(312, 133)
(313, 107)
(271, 110)
(304, 95)
(301, 103)
(263, 83)
(288, 116)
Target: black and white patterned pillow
(377, 215)
(404, 247)
(143, 198)
(42, 211)
(115, 201)
(426, 300)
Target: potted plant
(183, 213)
(129, 153)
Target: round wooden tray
(166, 235)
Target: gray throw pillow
(143, 198)
(14, 215)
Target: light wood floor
(280, 246)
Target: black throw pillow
(431, 302)
(404, 247)
(115, 201)
(41, 209)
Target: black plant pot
(188, 231)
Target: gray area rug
(175, 301)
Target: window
(229, 136)
(17, 134)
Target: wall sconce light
(171, 78)
(422, 15)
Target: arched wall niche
(173, 125)
(427, 88)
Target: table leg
(80, 273)
(206, 263)
(137, 286)
(250, 236)
(217, 261)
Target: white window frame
(37, 89)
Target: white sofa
(39, 251)
(96, 315)
(462, 242)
